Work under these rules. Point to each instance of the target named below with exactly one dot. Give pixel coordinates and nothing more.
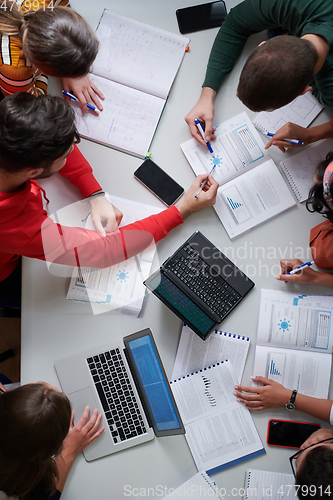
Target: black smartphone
(201, 17)
(289, 434)
(159, 182)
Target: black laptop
(199, 284)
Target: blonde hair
(58, 39)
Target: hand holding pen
(73, 98)
(294, 270)
(210, 149)
(290, 136)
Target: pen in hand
(300, 268)
(202, 133)
(71, 96)
(290, 141)
(204, 182)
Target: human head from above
(314, 471)
(58, 41)
(276, 72)
(321, 193)
(34, 421)
(35, 133)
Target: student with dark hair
(37, 137)
(279, 69)
(321, 236)
(312, 465)
(38, 442)
(44, 37)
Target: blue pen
(291, 141)
(300, 268)
(71, 96)
(204, 183)
(202, 133)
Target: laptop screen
(171, 295)
(154, 385)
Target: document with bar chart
(294, 341)
(252, 189)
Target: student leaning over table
(38, 442)
(38, 39)
(314, 465)
(278, 70)
(321, 236)
(36, 141)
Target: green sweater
(299, 17)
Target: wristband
(94, 195)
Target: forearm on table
(324, 131)
(318, 408)
(64, 463)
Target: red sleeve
(81, 247)
(79, 172)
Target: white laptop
(126, 382)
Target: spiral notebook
(193, 354)
(302, 111)
(220, 432)
(199, 486)
(261, 484)
(300, 168)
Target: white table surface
(53, 327)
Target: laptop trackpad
(80, 399)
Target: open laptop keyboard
(193, 271)
(115, 391)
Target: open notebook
(301, 168)
(135, 68)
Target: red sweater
(25, 228)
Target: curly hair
(34, 131)
(316, 201)
(34, 421)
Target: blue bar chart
(276, 366)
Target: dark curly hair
(34, 131)
(316, 201)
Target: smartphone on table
(201, 17)
(159, 182)
(289, 434)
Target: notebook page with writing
(261, 484)
(198, 487)
(302, 111)
(300, 168)
(138, 55)
(193, 354)
(128, 120)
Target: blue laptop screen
(154, 384)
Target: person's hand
(317, 436)
(2, 388)
(306, 275)
(85, 90)
(270, 395)
(206, 198)
(82, 434)
(105, 216)
(204, 112)
(289, 131)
